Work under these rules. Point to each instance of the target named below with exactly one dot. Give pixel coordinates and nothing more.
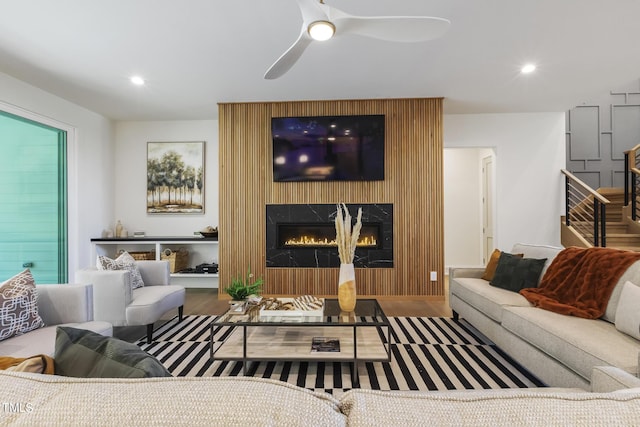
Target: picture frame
(175, 177)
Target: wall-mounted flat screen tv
(328, 148)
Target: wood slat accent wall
(413, 183)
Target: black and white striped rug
(427, 353)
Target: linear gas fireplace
(304, 236)
(316, 235)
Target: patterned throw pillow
(19, 306)
(124, 262)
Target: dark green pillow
(86, 354)
(514, 273)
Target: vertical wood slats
(413, 183)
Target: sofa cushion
(19, 306)
(43, 340)
(631, 275)
(579, 343)
(485, 298)
(514, 273)
(85, 354)
(537, 251)
(53, 400)
(124, 262)
(148, 304)
(628, 312)
(530, 407)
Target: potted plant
(243, 287)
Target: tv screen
(331, 148)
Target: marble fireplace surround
(322, 257)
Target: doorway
(468, 205)
(487, 208)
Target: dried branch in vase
(346, 236)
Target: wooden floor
(205, 301)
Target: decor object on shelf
(209, 231)
(175, 177)
(178, 260)
(321, 22)
(119, 229)
(241, 288)
(347, 240)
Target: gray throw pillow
(86, 354)
(514, 273)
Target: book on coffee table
(324, 344)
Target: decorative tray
(300, 309)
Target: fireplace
(319, 235)
(304, 236)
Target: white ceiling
(197, 53)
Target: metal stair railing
(632, 180)
(585, 210)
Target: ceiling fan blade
(286, 61)
(393, 28)
(312, 10)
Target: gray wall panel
(599, 133)
(584, 133)
(626, 128)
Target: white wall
(530, 152)
(131, 176)
(91, 162)
(463, 206)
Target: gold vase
(347, 288)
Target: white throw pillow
(627, 313)
(124, 262)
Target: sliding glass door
(33, 200)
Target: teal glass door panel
(33, 200)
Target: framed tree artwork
(175, 177)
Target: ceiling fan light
(528, 68)
(321, 30)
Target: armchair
(58, 305)
(115, 302)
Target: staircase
(621, 231)
(607, 217)
(621, 234)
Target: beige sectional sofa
(561, 350)
(34, 399)
(67, 305)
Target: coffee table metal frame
(367, 314)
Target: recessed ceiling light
(137, 80)
(528, 68)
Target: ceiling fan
(321, 22)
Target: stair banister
(577, 194)
(631, 179)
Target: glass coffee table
(363, 336)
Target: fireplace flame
(363, 241)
